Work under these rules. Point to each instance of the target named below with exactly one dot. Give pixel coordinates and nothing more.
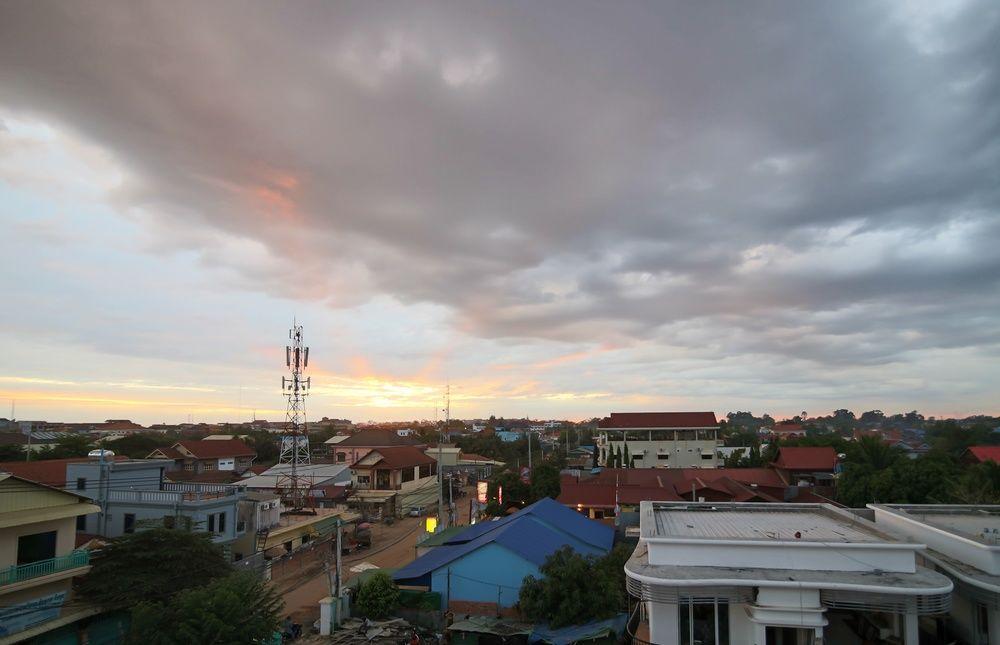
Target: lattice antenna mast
(293, 484)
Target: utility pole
(440, 475)
(528, 434)
(292, 484)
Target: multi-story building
(781, 574)
(200, 457)
(133, 494)
(352, 448)
(395, 478)
(37, 557)
(963, 543)
(659, 439)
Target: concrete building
(37, 557)
(660, 439)
(133, 495)
(777, 574)
(963, 543)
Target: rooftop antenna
(293, 485)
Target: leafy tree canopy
(151, 566)
(238, 608)
(378, 596)
(575, 588)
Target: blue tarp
(577, 633)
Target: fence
(19, 573)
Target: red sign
(500, 495)
(482, 492)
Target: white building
(776, 574)
(963, 543)
(660, 439)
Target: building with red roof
(659, 439)
(394, 477)
(981, 454)
(597, 494)
(208, 456)
(51, 472)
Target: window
(407, 474)
(36, 547)
(222, 522)
(661, 435)
(81, 483)
(663, 456)
(706, 456)
(637, 435)
(705, 623)
(341, 457)
(211, 523)
(208, 466)
(128, 523)
(425, 470)
(81, 522)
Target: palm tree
(874, 453)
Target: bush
(378, 596)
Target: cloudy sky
(561, 208)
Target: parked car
(417, 511)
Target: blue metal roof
(534, 533)
(553, 513)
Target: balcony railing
(20, 573)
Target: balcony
(20, 573)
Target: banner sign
(526, 475)
(482, 492)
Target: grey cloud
(469, 155)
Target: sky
(561, 209)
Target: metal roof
(555, 514)
(533, 535)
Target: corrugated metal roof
(533, 535)
(557, 515)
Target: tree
(618, 457)
(239, 608)
(377, 596)
(72, 445)
(593, 457)
(140, 444)
(978, 484)
(627, 459)
(12, 452)
(545, 481)
(151, 566)
(574, 589)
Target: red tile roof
(659, 420)
(402, 456)
(818, 458)
(669, 484)
(51, 472)
(214, 449)
(985, 453)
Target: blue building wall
(488, 574)
(508, 436)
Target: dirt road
(392, 546)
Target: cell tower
(293, 484)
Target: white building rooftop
(812, 523)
